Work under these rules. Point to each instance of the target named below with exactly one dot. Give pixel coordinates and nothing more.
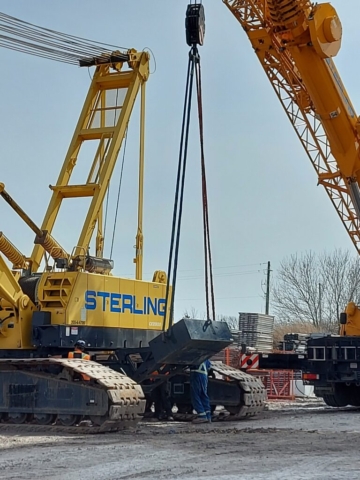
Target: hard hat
(80, 344)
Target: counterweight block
(190, 342)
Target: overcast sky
(264, 203)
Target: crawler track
(67, 395)
(252, 399)
(253, 391)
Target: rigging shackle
(195, 24)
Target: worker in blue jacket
(198, 389)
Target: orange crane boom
(295, 41)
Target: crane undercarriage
(49, 394)
(110, 394)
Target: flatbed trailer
(331, 364)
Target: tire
(330, 400)
(341, 398)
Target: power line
(226, 274)
(218, 298)
(229, 266)
(214, 268)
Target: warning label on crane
(249, 361)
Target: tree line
(314, 288)
(309, 289)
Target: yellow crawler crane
(43, 314)
(65, 295)
(295, 41)
(55, 296)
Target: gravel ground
(304, 440)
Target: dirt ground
(305, 440)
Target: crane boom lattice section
(286, 81)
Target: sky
(264, 202)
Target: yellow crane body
(94, 300)
(80, 292)
(95, 304)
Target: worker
(163, 407)
(79, 349)
(79, 352)
(199, 395)
(161, 396)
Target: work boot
(202, 419)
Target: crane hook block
(195, 24)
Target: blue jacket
(203, 368)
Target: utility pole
(320, 300)
(267, 289)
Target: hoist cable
(179, 191)
(207, 250)
(193, 66)
(177, 241)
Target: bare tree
(233, 322)
(193, 313)
(315, 289)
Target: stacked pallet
(256, 331)
(236, 335)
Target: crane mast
(295, 41)
(104, 118)
(103, 122)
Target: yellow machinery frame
(94, 124)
